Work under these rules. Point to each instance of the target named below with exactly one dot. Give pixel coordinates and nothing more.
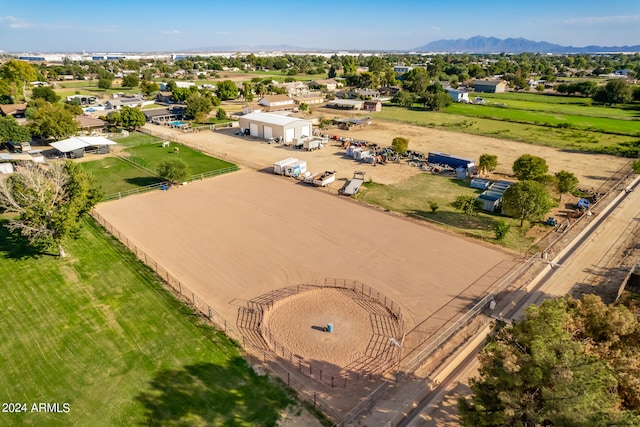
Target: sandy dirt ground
(299, 321)
(591, 169)
(235, 237)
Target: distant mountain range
(479, 44)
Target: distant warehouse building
(265, 125)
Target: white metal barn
(265, 125)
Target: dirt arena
(238, 236)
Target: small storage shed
(490, 200)
(266, 126)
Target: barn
(490, 86)
(77, 146)
(266, 126)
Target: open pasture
(96, 331)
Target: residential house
(309, 99)
(365, 94)
(389, 91)
(15, 110)
(277, 102)
(331, 84)
(294, 88)
(133, 101)
(90, 125)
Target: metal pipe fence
(185, 294)
(331, 377)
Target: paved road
(585, 257)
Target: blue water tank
(330, 327)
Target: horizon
(73, 26)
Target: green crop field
(96, 334)
(115, 175)
(414, 195)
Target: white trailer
(296, 168)
(311, 144)
(278, 167)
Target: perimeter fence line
(167, 184)
(180, 289)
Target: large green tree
(46, 93)
(149, 87)
(528, 200)
(227, 90)
(175, 170)
(567, 182)
(11, 130)
(48, 204)
(349, 65)
(19, 73)
(488, 163)
(568, 363)
(616, 91)
(198, 106)
(130, 80)
(529, 167)
(52, 121)
(132, 118)
(400, 144)
(417, 81)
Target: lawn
(97, 331)
(414, 195)
(145, 153)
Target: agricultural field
(96, 333)
(491, 125)
(145, 153)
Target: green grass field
(97, 331)
(413, 196)
(569, 139)
(115, 175)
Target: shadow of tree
(12, 245)
(230, 394)
(143, 181)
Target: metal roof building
(266, 126)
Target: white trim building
(266, 126)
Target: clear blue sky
(160, 25)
